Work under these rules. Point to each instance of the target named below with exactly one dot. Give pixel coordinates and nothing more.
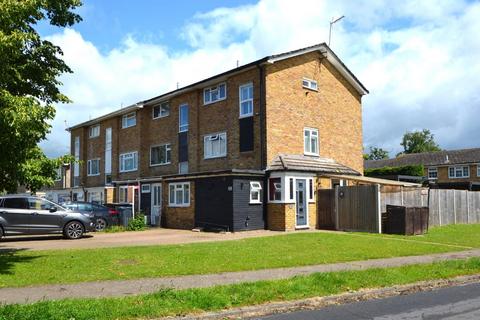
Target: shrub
(416, 170)
(115, 229)
(137, 223)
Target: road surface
(453, 303)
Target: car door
(15, 215)
(46, 217)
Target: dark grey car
(104, 216)
(28, 215)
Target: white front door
(156, 194)
(301, 201)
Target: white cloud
(418, 59)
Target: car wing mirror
(53, 209)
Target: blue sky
(419, 59)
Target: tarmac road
(457, 302)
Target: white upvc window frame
(210, 138)
(90, 167)
(127, 117)
(288, 189)
(208, 92)
(183, 167)
(183, 127)
(123, 193)
(432, 170)
(94, 131)
(58, 174)
(311, 131)
(456, 169)
(241, 101)
(122, 157)
(145, 188)
(478, 170)
(164, 110)
(168, 151)
(310, 84)
(255, 188)
(178, 187)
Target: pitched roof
(323, 48)
(446, 157)
(294, 162)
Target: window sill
(93, 137)
(126, 171)
(246, 116)
(129, 126)
(160, 164)
(161, 117)
(310, 89)
(91, 175)
(215, 157)
(311, 154)
(179, 205)
(302, 227)
(255, 202)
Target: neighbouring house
(450, 169)
(245, 149)
(60, 191)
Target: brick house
(448, 169)
(245, 149)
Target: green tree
(419, 141)
(376, 154)
(29, 86)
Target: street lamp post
(330, 32)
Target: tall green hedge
(416, 170)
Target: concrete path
(139, 286)
(156, 236)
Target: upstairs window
(161, 110)
(215, 146)
(58, 174)
(93, 167)
(478, 170)
(310, 84)
(94, 131)
(129, 120)
(128, 161)
(246, 100)
(255, 188)
(183, 118)
(160, 155)
(214, 94)
(310, 141)
(459, 172)
(275, 189)
(432, 173)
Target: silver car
(28, 215)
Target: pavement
(149, 285)
(156, 236)
(457, 302)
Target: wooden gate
(326, 209)
(358, 208)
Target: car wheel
(100, 224)
(73, 230)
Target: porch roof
(295, 162)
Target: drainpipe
(263, 135)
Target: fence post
(336, 209)
(454, 207)
(378, 208)
(468, 208)
(439, 212)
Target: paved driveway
(155, 236)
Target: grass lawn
(24, 268)
(179, 302)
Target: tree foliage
(29, 86)
(419, 141)
(415, 170)
(376, 154)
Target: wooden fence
(454, 207)
(359, 208)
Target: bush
(416, 170)
(138, 223)
(115, 229)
